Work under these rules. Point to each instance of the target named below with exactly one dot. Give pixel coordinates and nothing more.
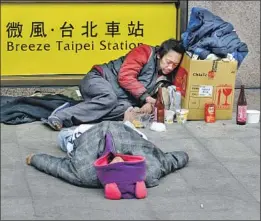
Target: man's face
(169, 62)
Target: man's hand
(150, 100)
(129, 115)
(147, 108)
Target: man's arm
(130, 70)
(60, 167)
(129, 117)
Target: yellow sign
(64, 38)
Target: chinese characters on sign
(113, 28)
(67, 31)
(88, 27)
(37, 30)
(136, 31)
(14, 30)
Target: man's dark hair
(170, 44)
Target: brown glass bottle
(159, 108)
(241, 107)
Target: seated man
(109, 89)
(79, 167)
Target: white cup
(169, 116)
(253, 116)
(182, 115)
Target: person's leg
(100, 103)
(118, 112)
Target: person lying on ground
(78, 168)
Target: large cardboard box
(204, 81)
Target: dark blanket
(208, 33)
(79, 169)
(19, 110)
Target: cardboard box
(203, 81)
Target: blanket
(79, 169)
(19, 110)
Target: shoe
(65, 105)
(54, 122)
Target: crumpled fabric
(208, 33)
(19, 110)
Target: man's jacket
(79, 169)
(134, 74)
(207, 33)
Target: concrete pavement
(221, 181)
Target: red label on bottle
(242, 113)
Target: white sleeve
(76, 133)
(129, 124)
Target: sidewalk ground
(221, 181)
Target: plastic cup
(141, 120)
(253, 116)
(182, 116)
(169, 116)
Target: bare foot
(28, 159)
